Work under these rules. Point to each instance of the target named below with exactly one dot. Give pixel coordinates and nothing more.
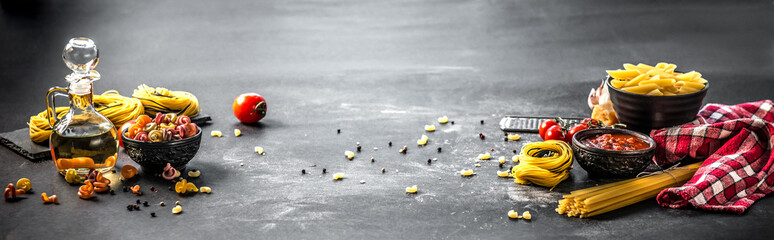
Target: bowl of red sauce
(608, 152)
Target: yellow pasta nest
(412, 189)
(443, 120)
(422, 141)
(485, 156)
(430, 128)
(543, 163)
(659, 80)
(163, 100)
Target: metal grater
(529, 124)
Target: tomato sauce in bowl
(616, 142)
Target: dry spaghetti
(604, 198)
(165, 101)
(543, 163)
(118, 109)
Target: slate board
(19, 141)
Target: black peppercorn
(452, 122)
(390, 144)
(324, 170)
(384, 170)
(515, 152)
(482, 121)
(153, 189)
(429, 161)
(303, 171)
(338, 130)
(170, 188)
(112, 192)
(126, 189)
(372, 159)
(136, 207)
(153, 214)
(439, 149)
(162, 204)
(481, 135)
(501, 165)
(138, 201)
(506, 139)
(129, 207)
(145, 203)
(358, 148)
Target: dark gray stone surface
(379, 71)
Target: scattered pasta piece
(184, 186)
(338, 176)
(259, 150)
(237, 132)
(502, 174)
(501, 159)
(526, 215)
(177, 209)
(422, 141)
(430, 128)
(49, 199)
(443, 120)
(128, 171)
(11, 192)
(485, 156)
(362, 181)
(478, 165)
(513, 214)
(205, 189)
(86, 191)
(467, 172)
(71, 176)
(216, 133)
(515, 158)
(514, 137)
(136, 189)
(412, 189)
(24, 184)
(194, 173)
(191, 187)
(349, 154)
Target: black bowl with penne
(646, 97)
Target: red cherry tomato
(575, 129)
(554, 133)
(123, 128)
(544, 126)
(249, 107)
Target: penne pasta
(641, 89)
(645, 79)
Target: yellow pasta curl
(165, 101)
(118, 109)
(543, 163)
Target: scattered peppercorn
(153, 189)
(153, 214)
(177, 202)
(452, 122)
(482, 121)
(506, 139)
(491, 149)
(439, 149)
(404, 150)
(170, 188)
(114, 171)
(136, 207)
(501, 165)
(372, 159)
(481, 135)
(112, 192)
(138, 201)
(338, 130)
(303, 171)
(390, 144)
(515, 152)
(126, 189)
(130, 207)
(324, 170)
(162, 204)
(358, 147)
(384, 170)
(429, 161)
(145, 203)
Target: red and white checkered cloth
(736, 142)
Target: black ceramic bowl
(608, 163)
(644, 112)
(154, 156)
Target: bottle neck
(81, 99)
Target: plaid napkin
(736, 142)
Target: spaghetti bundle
(543, 163)
(165, 101)
(118, 109)
(604, 198)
